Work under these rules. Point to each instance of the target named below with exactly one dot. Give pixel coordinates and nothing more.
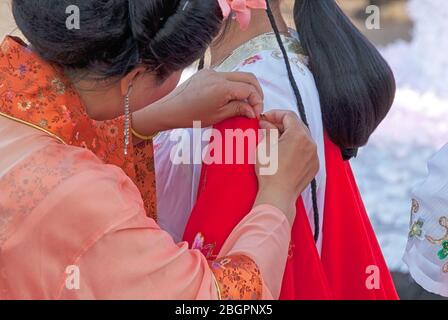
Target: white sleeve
(176, 184)
(427, 250)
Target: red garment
(349, 242)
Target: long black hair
(355, 84)
(117, 35)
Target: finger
(267, 125)
(274, 118)
(248, 78)
(265, 137)
(245, 92)
(284, 120)
(266, 128)
(237, 109)
(246, 110)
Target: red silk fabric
(350, 249)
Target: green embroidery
(416, 229)
(443, 253)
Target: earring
(127, 121)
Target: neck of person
(234, 37)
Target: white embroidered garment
(427, 250)
(177, 184)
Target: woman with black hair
(341, 87)
(77, 200)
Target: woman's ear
(128, 80)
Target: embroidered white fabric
(177, 184)
(427, 250)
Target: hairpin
(187, 3)
(241, 9)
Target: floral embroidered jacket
(73, 223)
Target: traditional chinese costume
(70, 201)
(346, 262)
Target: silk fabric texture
(339, 265)
(71, 201)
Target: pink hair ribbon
(241, 9)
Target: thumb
(267, 125)
(266, 130)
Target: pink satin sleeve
(264, 236)
(138, 260)
(74, 228)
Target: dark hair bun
(117, 35)
(173, 34)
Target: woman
(342, 88)
(73, 221)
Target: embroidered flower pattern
(39, 94)
(58, 86)
(31, 181)
(415, 206)
(445, 268)
(22, 69)
(441, 241)
(443, 253)
(298, 60)
(291, 249)
(252, 60)
(207, 250)
(238, 278)
(443, 221)
(112, 131)
(416, 229)
(43, 123)
(24, 105)
(198, 242)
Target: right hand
(209, 97)
(298, 162)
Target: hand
(298, 162)
(209, 97)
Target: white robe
(427, 251)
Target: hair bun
(163, 34)
(173, 34)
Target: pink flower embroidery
(252, 60)
(199, 244)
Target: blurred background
(412, 37)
